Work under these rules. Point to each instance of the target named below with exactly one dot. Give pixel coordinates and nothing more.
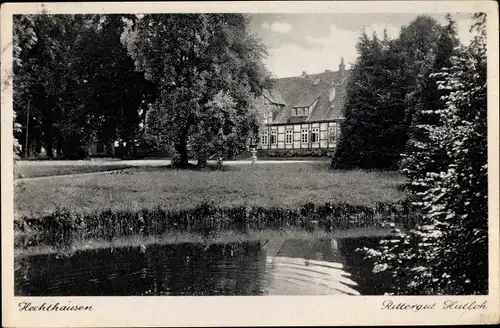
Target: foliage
(428, 96)
(208, 218)
(204, 65)
(23, 37)
(113, 97)
(371, 125)
(380, 95)
(295, 153)
(73, 80)
(448, 254)
(40, 80)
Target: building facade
(304, 112)
(98, 148)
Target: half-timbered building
(304, 112)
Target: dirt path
(132, 163)
(152, 162)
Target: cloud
(324, 52)
(392, 30)
(279, 27)
(291, 59)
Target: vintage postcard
(250, 163)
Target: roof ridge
(311, 75)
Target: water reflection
(277, 267)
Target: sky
(315, 42)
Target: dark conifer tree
(430, 98)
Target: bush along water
(447, 167)
(207, 219)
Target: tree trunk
(49, 145)
(202, 162)
(48, 134)
(182, 151)
(38, 145)
(48, 141)
(59, 143)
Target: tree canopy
(208, 70)
(381, 95)
(74, 80)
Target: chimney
(342, 67)
(304, 74)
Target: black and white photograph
(250, 154)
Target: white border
(238, 311)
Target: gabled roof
(302, 91)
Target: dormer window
(300, 111)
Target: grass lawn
(35, 171)
(286, 184)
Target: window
(315, 135)
(264, 137)
(305, 136)
(266, 115)
(289, 137)
(334, 132)
(300, 111)
(331, 134)
(274, 139)
(100, 148)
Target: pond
(273, 267)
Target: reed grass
(63, 227)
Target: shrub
(296, 153)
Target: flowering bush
(448, 254)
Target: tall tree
(109, 88)
(372, 121)
(429, 97)
(204, 65)
(24, 37)
(41, 81)
(74, 80)
(381, 96)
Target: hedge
(297, 153)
